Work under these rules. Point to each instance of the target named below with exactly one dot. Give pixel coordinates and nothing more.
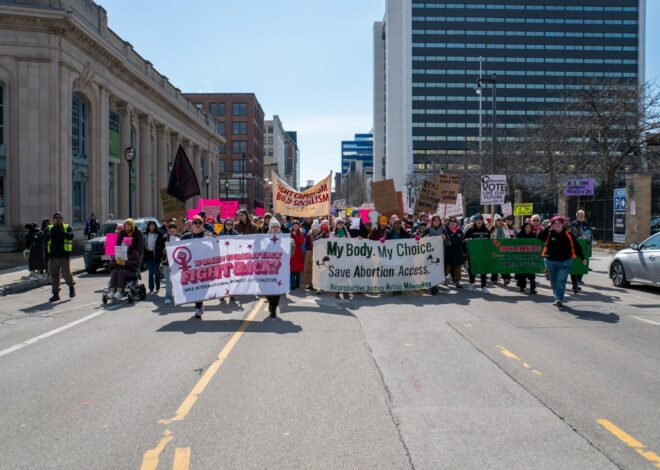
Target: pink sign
(260, 211)
(210, 206)
(228, 208)
(192, 213)
(364, 214)
(110, 243)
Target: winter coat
(190, 235)
(226, 233)
(454, 251)
(560, 246)
(432, 231)
(136, 245)
(345, 234)
(246, 229)
(505, 232)
(297, 256)
(166, 239)
(34, 241)
(390, 234)
(377, 233)
(159, 247)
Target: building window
(270, 152)
(221, 166)
(221, 149)
(3, 159)
(270, 141)
(237, 166)
(270, 129)
(217, 109)
(239, 146)
(221, 127)
(239, 109)
(80, 164)
(239, 128)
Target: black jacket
(454, 250)
(558, 245)
(57, 235)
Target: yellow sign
(218, 228)
(523, 208)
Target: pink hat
(557, 218)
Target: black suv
(95, 257)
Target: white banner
(352, 265)
(452, 210)
(212, 268)
(493, 189)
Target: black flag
(183, 183)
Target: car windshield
(107, 228)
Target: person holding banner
(378, 233)
(526, 231)
(274, 227)
(436, 229)
(197, 231)
(559, 251)
(297, 261)
(266, 226)
(228, 228)
(500, 231)
(245, 226)
(454, 251)
(340, 231)
(477, 231)
(397, 232)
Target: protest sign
(352, 265)
(517, 255)
(110, 243)
(523, 208)
(212, 268)
(314, 202)
(506, 209)
(493, 189)
(259, 211)
(218, 228)
(172, 207)
(452, 210)
(355, 223)
(384, 196)
(191, 213)
(121, 252)
(428, 197)
(228, 208)
(364, 214)
(580, 187)
(448, 188)
(401, 206)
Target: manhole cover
(23, 320)
(591, 308)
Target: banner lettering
(315, 202)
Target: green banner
(515, 256)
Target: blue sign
(619, 229)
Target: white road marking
(645, 320)
(30, 341)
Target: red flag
(183, 182)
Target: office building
(361, 149)
(240, 119)
(427, 61)
(292, 163)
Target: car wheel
(104, 299)
(618, 275)
(90, 269)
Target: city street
(460, 380)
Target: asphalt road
(455, 381)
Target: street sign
(619, 228)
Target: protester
(436, 229)
(313, 235)
(500, 231)
(361, 230)
(508, 220)
(325, 229)
(340, 231)
(59, 239)
(454, 251)
(170, 236)
(582, 230)
(559, 251)
(575, 280)
(536, 224)
(297, 260)
(245, 226)
(228, 228)
(34, 243)
(274, 227)
(153, 252)
(267, 218)
(527, 231)
(198, 231)
(396, 232)
(92, 226)
(478, 231)
(307, 224)
(124, 270)
(378, 233)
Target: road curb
(29, 284)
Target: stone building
(73, 97)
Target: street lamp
(207, 182)
(410, 186)
(129, 155)
(243, 182)
(226, 190)
(479, 89)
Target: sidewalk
(16, 280)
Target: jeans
(154, 271)
(168, 282)
(558, 271)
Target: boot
(72, 291)
(55, 297)
(532, 287)
(273, 310)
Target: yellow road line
(507, 353)
(199, 387)
(181, 458)
(630, 441)
(150, 459)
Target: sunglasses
(340, 223)
(197, 222)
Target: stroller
(132, 287)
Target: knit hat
(355, 213)
(57, 214)
(339, 219)
(316, 225)
(497, 217)
(557, 218)
(273, 223)
(478, 216)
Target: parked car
(639, 263)
(95, 257)
(655, 225)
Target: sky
(308, 61)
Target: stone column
(123, 178)
(145, 165)
(162, 158)
(99, 163)
(638, 207)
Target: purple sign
(580, 187)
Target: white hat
(316, 225)
(273, 223)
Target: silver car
(639, 263)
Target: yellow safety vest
(68, 244)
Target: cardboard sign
(191, 213)
(523, 208)
(493, 189)
(400, 204)
(172, 207)
(385, 197)
(448, 188)
(506, 209)
(259, 211)
(428, 198)
(452, 210)
(355, 223)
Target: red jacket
(297, 256)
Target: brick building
(240, 119)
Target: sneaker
(470, 287)
(168, 301)
(199, 312)
(72, 291)
(157, 290)
(118, 295)
(151, 291)
(556, 303)
(485, 290)
(576, 289)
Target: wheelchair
(133, 289)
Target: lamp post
(207, 182)
(129, 155)
(226, 190)
(410, 186)
(479, 89)
(243, 182)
